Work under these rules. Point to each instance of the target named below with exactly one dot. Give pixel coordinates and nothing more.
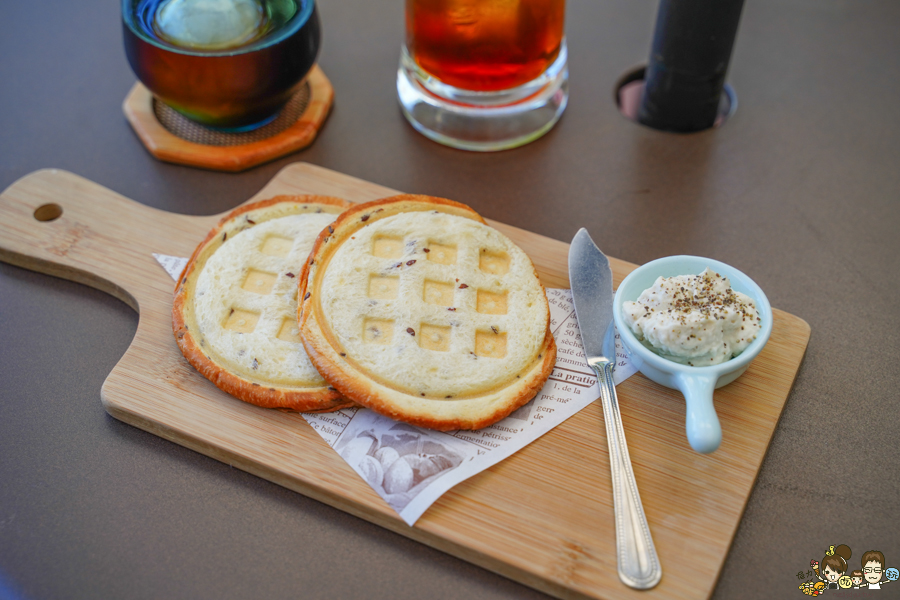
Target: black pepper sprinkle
(426, 249)
(364, 218)
(312, 262)
(462, 286)
(231, 313)
(306, 296)
(422, 394)
(448, 396)
(451, 309)
(330, 229)
(271, 389)
(494, 329)
(255, 364)
(224, 236)
(289, 274)
(343, 354)
(256, 384)
(410, 263)
(411, 331)
(251, 221)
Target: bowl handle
(703, 430)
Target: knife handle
(638, 563)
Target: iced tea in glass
(484, 45)
(483, 74)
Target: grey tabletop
(800, 190)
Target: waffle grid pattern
(263, 296)
(452, 290)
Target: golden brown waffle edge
(190, 340)
(344, 373)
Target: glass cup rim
(296, 22)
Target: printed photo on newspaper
(412, 467)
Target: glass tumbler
(483, 75)
(226, 64)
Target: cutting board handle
(57, 223)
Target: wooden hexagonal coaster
(172, 137)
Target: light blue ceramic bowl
(696, 383)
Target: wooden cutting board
(543, 517)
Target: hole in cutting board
(48, 212)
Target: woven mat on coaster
(179, 125)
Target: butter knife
(592, 294)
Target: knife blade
(591, 280)
(592, 292)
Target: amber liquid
(484, 45)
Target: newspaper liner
(411, 467)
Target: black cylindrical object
(691, 49)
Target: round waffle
(235, 309)
(414, 307)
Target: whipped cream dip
(695, 320)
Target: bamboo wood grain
(542, 517)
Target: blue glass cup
(234, 88)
